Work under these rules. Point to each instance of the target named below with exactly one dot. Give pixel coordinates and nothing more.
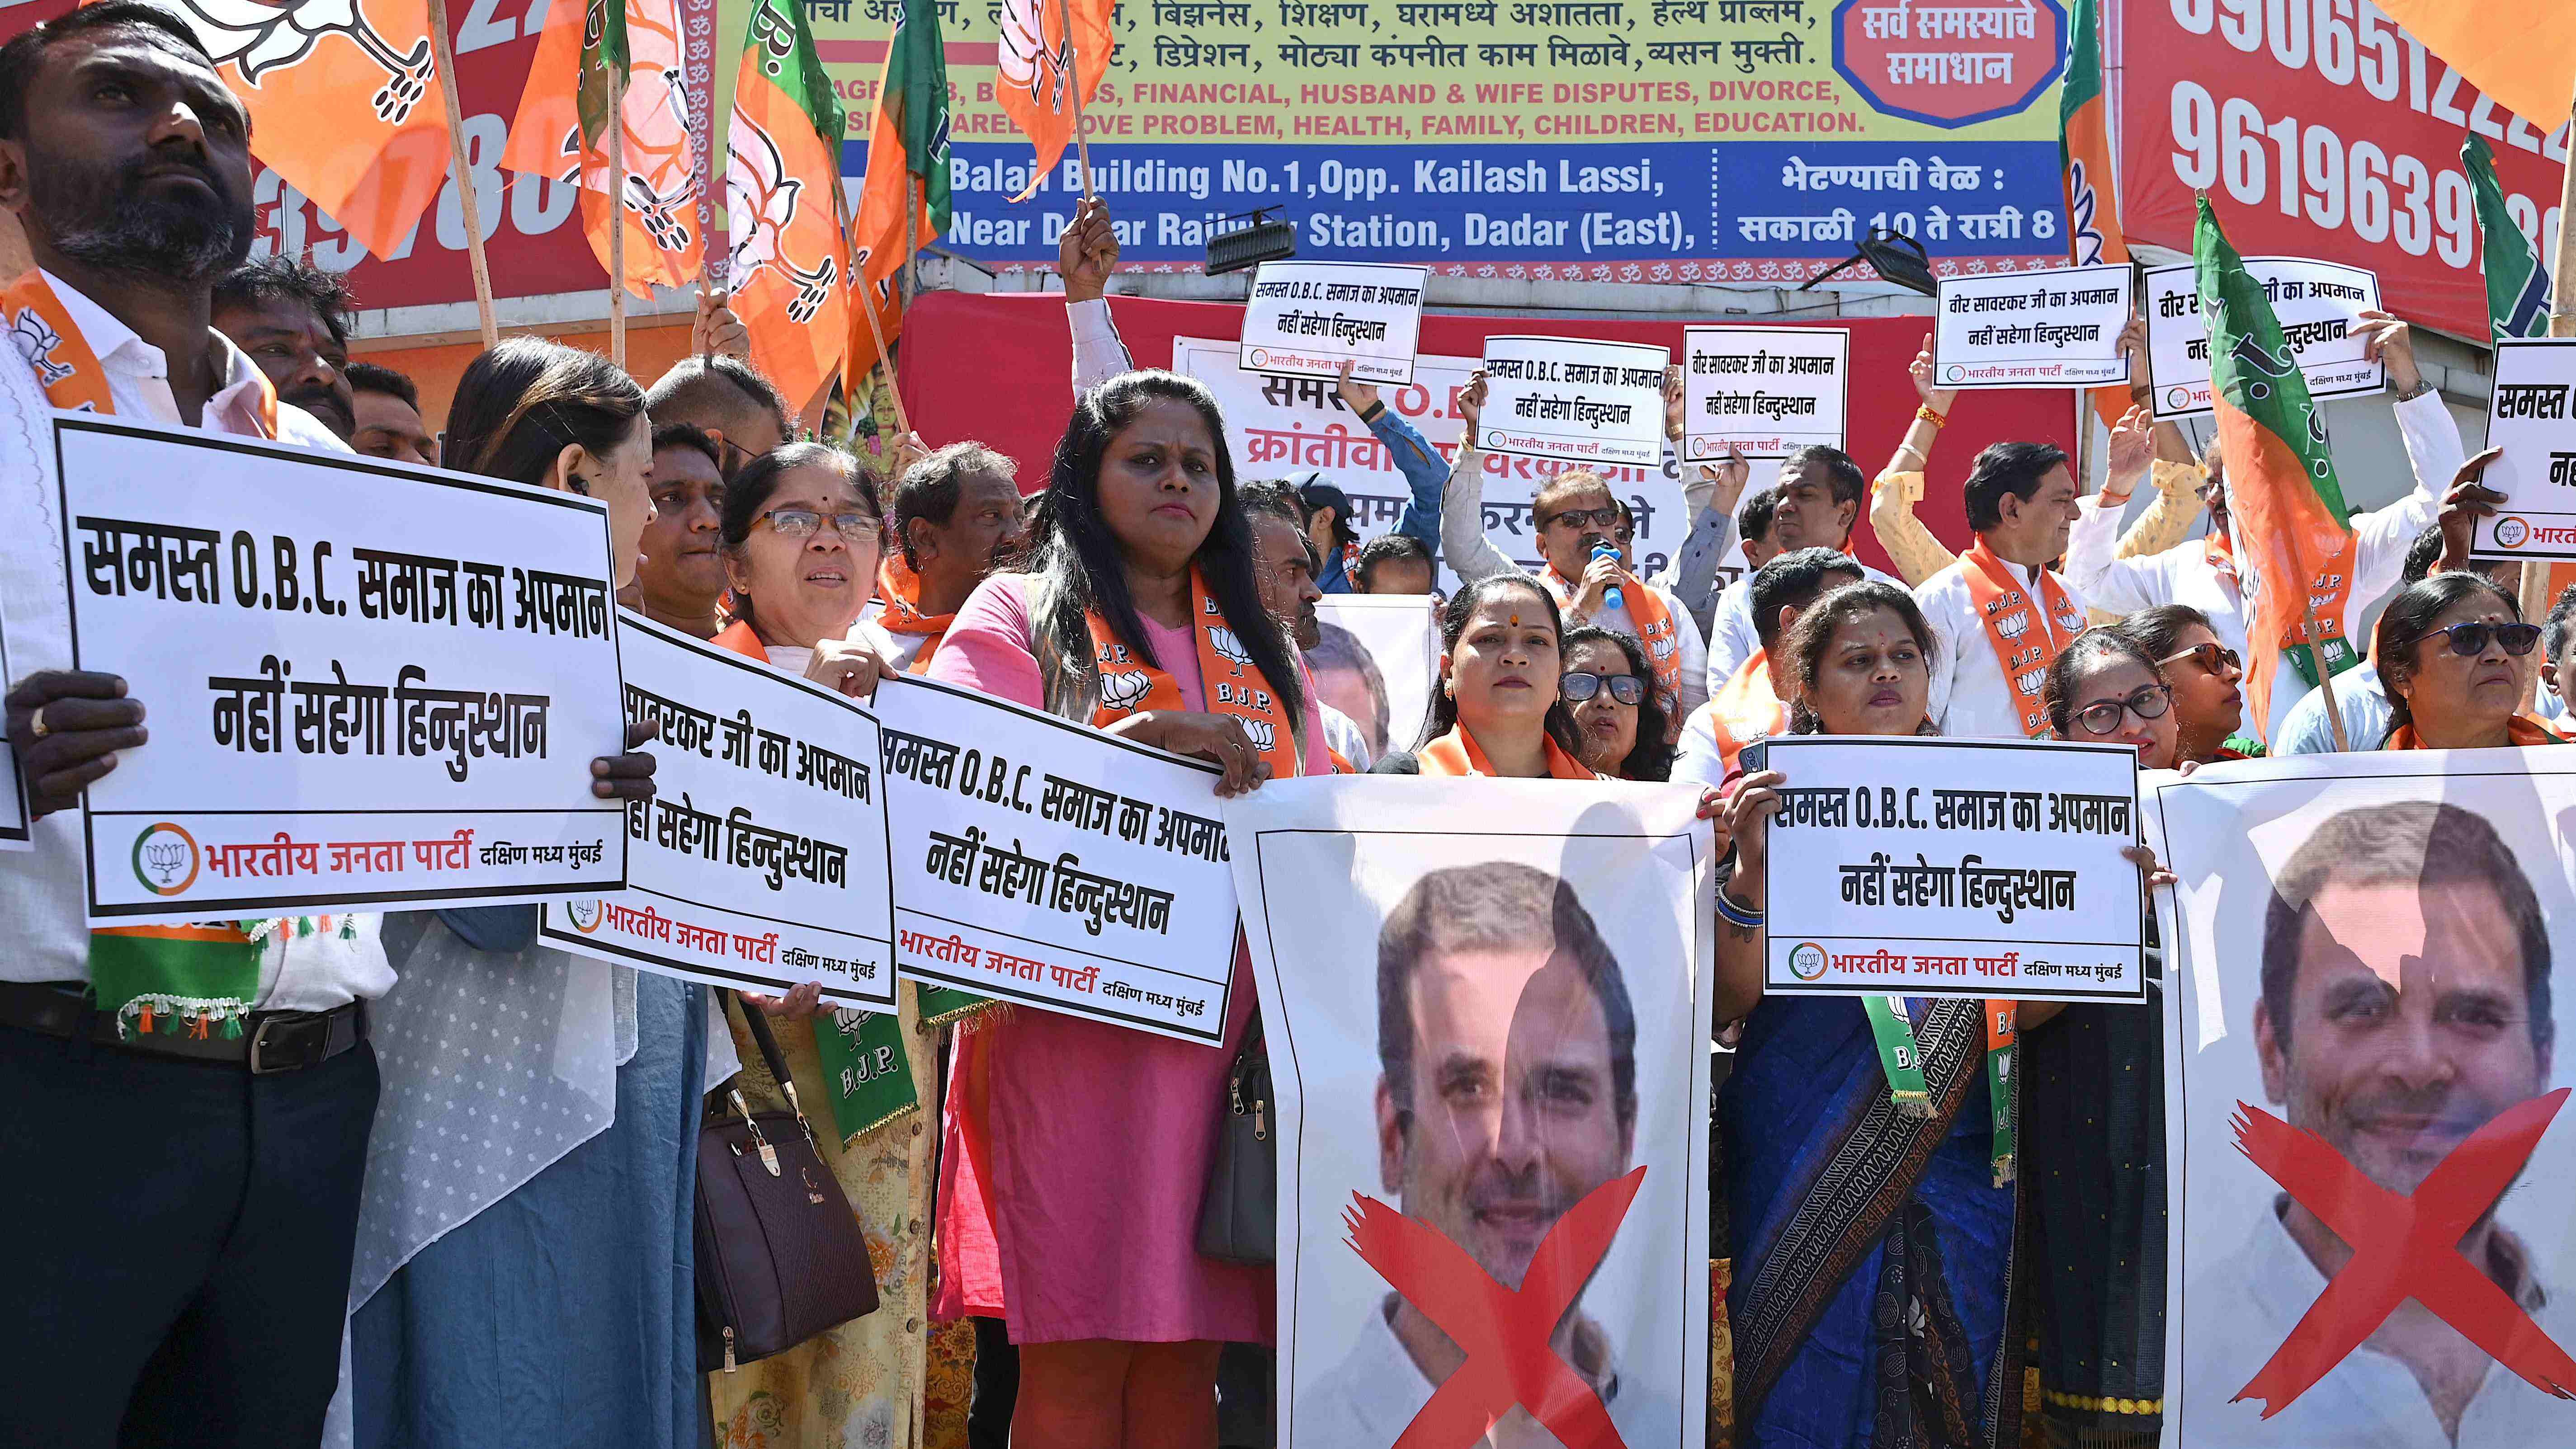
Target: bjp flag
(2522, 53)
(562, 132)
(790, 271)
(2084, 152)
(1041, 62)
(339, 98)
(903, 205)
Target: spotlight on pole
(1264, 237)
(1897, 257)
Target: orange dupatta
(1455, 754)
(1745, 709)
(1231, 682)
(2519, 731)
(900, 588)
(65, 367)
(2003, 606)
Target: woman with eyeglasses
(800, 538)
(2093, 1085)
(1617, 715)
(2204, 675)
(2451, 652)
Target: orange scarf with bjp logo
(2025, 634)
(1455, 754)
(1231, 683)
(66, 368)
(900, 589)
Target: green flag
(865, 1067)
(2517, 284)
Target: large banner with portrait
(2370, 1239)
(1489, 1062)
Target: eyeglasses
(2212, 658)
(2148, 701)
(1584, 517)
(801, 523)
(2470, 640)
(1578, 686)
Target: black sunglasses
(1584, 517)
(1578, 686)
(2147, 701)
(2470, 640)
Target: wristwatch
(2421, 387)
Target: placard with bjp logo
(1489, 1067)
(2370, 1160)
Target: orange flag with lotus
(561, 132)
(2522, 53)
(340, 100)
(790, 270)
(1038, 65)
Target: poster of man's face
(2371, 1237)
(1493, 1150)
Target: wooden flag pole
(442, 50)
(866, 300)
(617, 217)
(2325, 677)
(1073, 68)
(2562, 307)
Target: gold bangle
(1938, 420)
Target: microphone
(1606, 549)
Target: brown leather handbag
(780, 1254)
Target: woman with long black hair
(1498, 708)
(1076, 1153)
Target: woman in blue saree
(1873, 1239)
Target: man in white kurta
(2021, 502)
(1821, 490)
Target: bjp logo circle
(586, 915)
(165, 859)
(1807, 961)
(2511, 532)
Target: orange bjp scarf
(2025, 639)
(900, 589)
(1231, 683)
(2519, 731)
(1455, 754)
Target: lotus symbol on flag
(760, 203)
(36, 342)
(1122, 689)
(2014, 624)
(1024, 58)
(261, 37)
(2028, 681)
(1229, 648)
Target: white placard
(2369, 1150)
(761, 858)
(1540, 940)
(2057, 328)
(2004, 878)
(1572, 400)
(368, 683)
(2319, 305)
(2530, 417)
(1379, 655)
(1768, 391)
(1304, 319)
(1048, 863)
(1282, 427)
(16, 817)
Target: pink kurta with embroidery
(1075, 1214)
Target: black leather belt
(272, 1041)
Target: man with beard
(292, 318)
(680, 578)
(2405, 1003)
(1507, 1093)
(195, 1194)
(956, 513)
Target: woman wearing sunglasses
(2451, 651)
(2204, 674)
(1610, 687)
(800, 539)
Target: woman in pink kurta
(1075, 1153)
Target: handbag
(1239, 1214)
(780, 1254)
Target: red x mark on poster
(2403, 1247)
(1505, 1332)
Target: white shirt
(1971, 699)
(1374, 1392)
(1099, 354)
(1472, 556)
(1343, 733)
(40, 890)
(1732, 639)
(2183, 574)
(2368, 1401)
(2359, 697)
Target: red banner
(2320, 129)
(533, 231)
